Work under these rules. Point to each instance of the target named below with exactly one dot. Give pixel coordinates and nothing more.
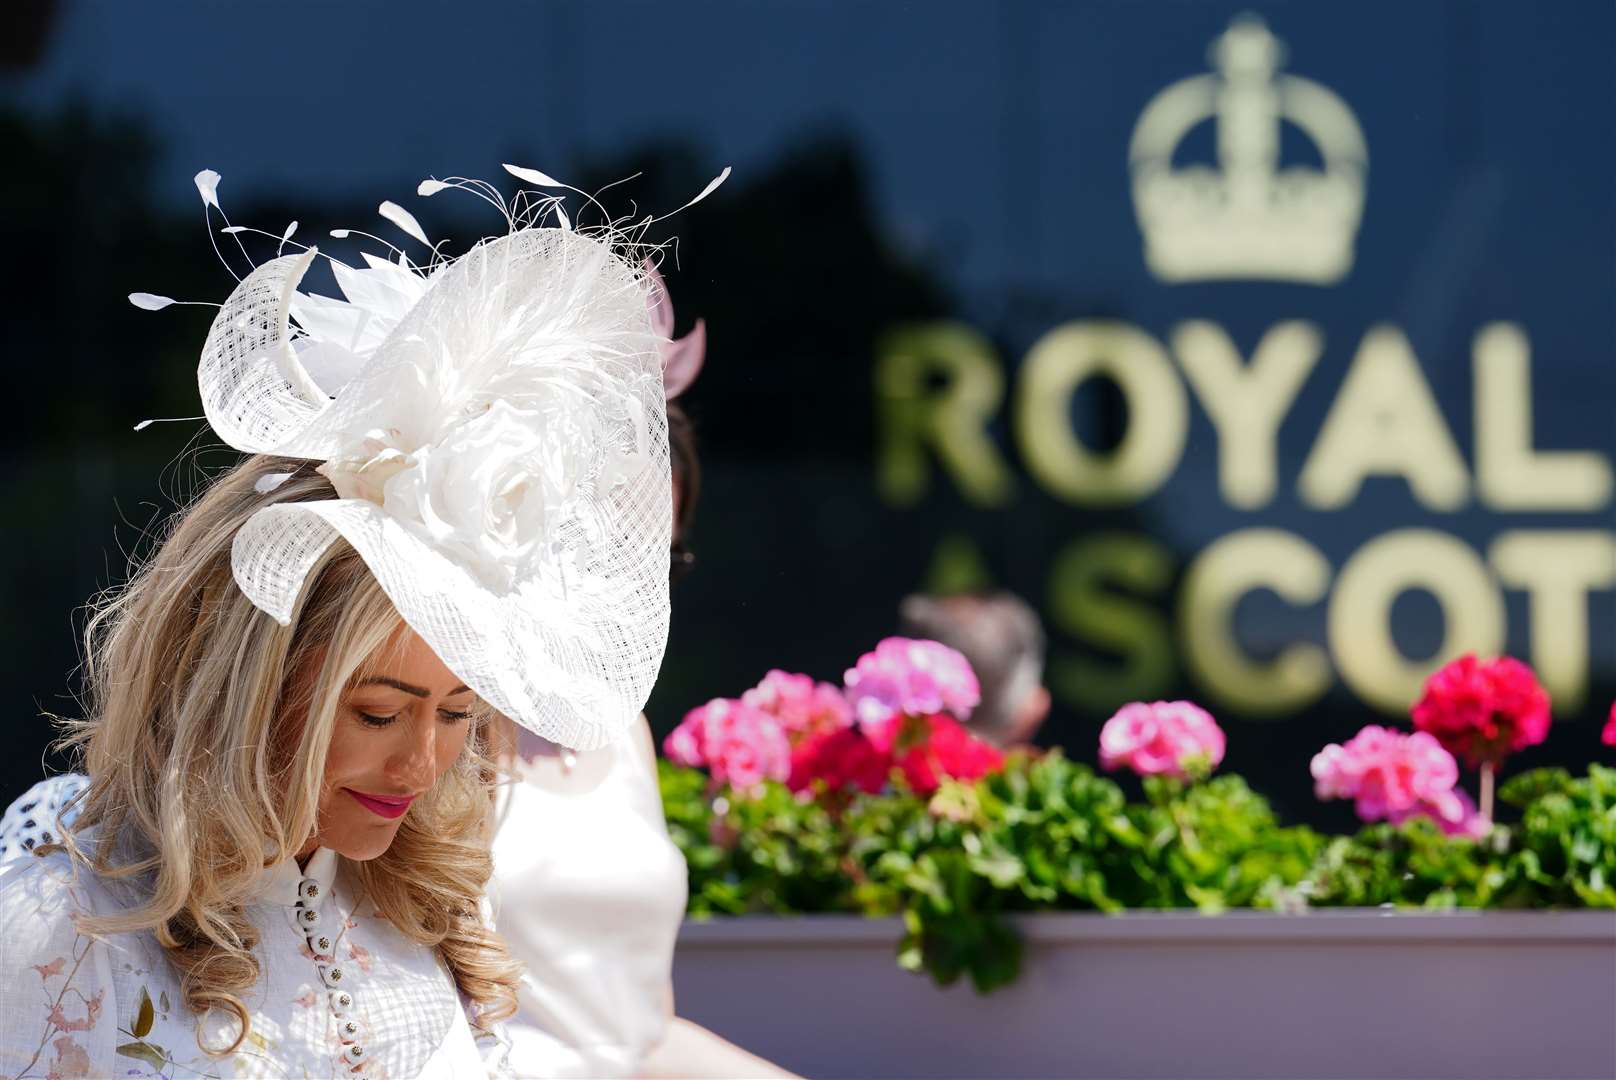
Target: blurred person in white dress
(593, 909)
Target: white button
(309, 889)
(348, 1030)
(320, 945)
(341, 1002)
(353, 1053)
(307, 917)
(330, 974)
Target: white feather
(404, 220)
(533, 176)
(207, 184)
(270, 481)
(711, 187)
(146, 301)
(290, 229)
(144, 424)
(431, 187)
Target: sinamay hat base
(495, 429)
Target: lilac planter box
(1356, 993)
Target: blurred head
(686, 487)
(999, 634)
(219, 742)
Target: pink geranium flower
(803, 706)
(1483, 711)
(910, 677)
(1393, 776)
(1608, 736)
(1472, 822)
(684, 744)
(1172, 738)
(740, 745)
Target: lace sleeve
(37, 816)
(58, 1015)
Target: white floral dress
(340, 991)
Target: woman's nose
(414, 764)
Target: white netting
(254, 391)
(503, 458)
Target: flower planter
(1332, 993)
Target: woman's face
(400, 724)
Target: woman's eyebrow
(383, 680)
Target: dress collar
(278, 884)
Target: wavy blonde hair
(205, 743)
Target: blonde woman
(456, 506)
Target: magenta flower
(1483, 711)
(740, 745)
(1172, 738)
(1393, 776)
(910, 677)
(947, 749)
(803, 706)
(841, 759)
(1608, 736)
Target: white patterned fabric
(496, 432)
(592, 909)
(340, 993)
(36, 818)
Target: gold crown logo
(1248, 218)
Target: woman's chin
(363, 844)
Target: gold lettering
(1385, 422)
(956, 567)
(1247, 402)
(1095, 590)
(1360, 609)
(1510, 475)
(1217, 579)
(1158, 414)
(952, 421)
(1558, 569)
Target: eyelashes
(445, 715)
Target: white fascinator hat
(495, 429)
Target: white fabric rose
(491, 489)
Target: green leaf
(145, 1051)
(1529, 786)
(143, 1018)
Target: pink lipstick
(387, 806)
